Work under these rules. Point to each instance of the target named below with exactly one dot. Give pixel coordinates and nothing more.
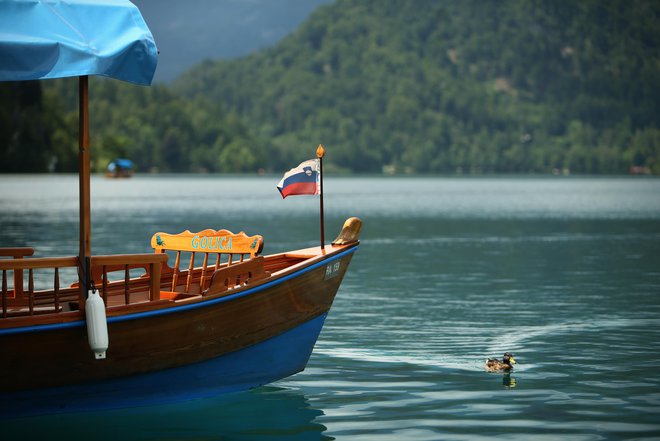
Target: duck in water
(506, 365)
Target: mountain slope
(191, 31)
(440, 86)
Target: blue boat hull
(264, 362)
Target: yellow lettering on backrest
(209, 241)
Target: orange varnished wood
(231, 276)
(84, 171)
(101, 266)
(191, 266)
(175, 272)
(220, 242)
(16, 252)
(129, 259)
(283, 261)
(202, 279)
(31, 290)
(209, 241)
(4, 294)
(177, 296)
(151, 263)
(16, 297)
(154, 288)
(35, 310)
(143, 287)
(45, 319)
(39, 262)
(127, 281)
(56, 289)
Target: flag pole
(319, 154)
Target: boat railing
(17, 253)
(16, 300)
(151, 263)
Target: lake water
(564, 272)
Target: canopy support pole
(84, 184)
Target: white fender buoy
(97, 325)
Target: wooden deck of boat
(126, 294)
(231, 262)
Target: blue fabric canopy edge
(42, 39)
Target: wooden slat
(104, 287)
(202, 279)
(41, 262)
(175, 275)
(128, 259)
(4, 293)
(127, 279)
(154, 289)
(191, 266)
(16, 252)
(56, 292)
(31, 290)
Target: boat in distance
(119, 168)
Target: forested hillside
(441, 86)
(420, 86)
(157, 128)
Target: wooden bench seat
(36, 310)
(176, 296)
(240, 274)
(229, 249)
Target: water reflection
(264, 413)
(508, 381)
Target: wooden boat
(238, 321)
(205, 313)
(119, 168)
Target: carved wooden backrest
(247, 272)
(221, 242)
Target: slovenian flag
(303, 179)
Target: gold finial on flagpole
(320, 151)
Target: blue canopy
(121, 163)
(64, 38)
